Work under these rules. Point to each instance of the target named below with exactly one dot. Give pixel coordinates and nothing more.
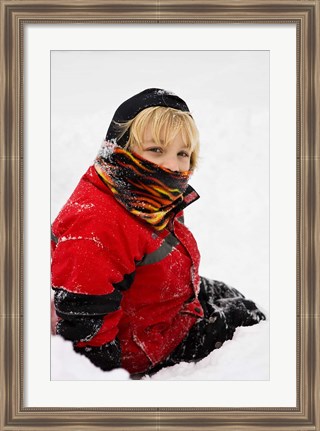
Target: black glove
(107, 357)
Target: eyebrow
(152, 141)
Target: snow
(237, 359)
(228, 94)
(245, 357)
(68, 365)
(76, 238)
(165, 92)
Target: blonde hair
(170, 121)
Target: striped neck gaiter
(145, 189)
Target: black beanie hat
(137, 103)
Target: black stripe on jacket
(73, 305)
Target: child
(127, 291)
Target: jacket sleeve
(87, 280)
(87, 321)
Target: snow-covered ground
(228, 95)
(246, 357)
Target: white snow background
(228, 95)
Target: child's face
(174, 156)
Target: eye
(184, 154)
(155, 149)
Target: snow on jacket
(108, 286)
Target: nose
(171, 163)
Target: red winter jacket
(112, 282)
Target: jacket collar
(189, 196)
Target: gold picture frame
(14, 15)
